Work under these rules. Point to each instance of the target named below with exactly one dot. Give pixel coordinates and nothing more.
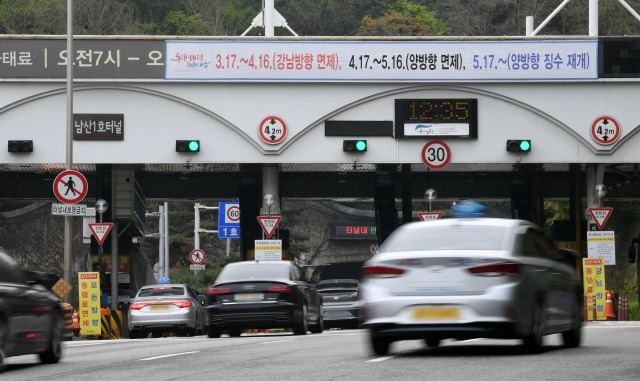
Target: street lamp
(268, 201)
(430, 195)
(101, 208)
(600, 191)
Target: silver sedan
(464, 278)
(165, 308)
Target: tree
(179, 24)
(32, 17)
(403, 18)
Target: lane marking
(275, 341)
(385, 358)
(170, 355)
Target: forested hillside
(314, 17)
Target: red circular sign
(197, 257)
(436, 154)
(233, 213)
(70, 186)
(373, 248)
(605, 130)
(273, 130)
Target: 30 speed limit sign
(436, 154)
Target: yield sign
(269, 224)
(429, 216)
(600, 215)
(100, 231)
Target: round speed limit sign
(436, 154)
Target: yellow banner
(89, 300)
(593, 278)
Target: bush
(634, 310)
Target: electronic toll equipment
(441, 118)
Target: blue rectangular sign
(229, 220)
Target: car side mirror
(315, 280)
(201, 299)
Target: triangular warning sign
(600, 215)
(101, 230)
(269, 224)
(429, 216)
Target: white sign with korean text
(268, 250)
(68, 209)
(377, 61)
(602, 244)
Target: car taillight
(182, 303)
(284, 289)
(381, 271)
(215, 291)
(496, 269)
(177, 303)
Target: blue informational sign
(229, 220)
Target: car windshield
(162, 291)
(450, 237)
(258, 271)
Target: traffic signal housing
(187, 145)
(519, 145)
(359, 145)
(20, 146)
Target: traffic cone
(608, 308)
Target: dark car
(262, 295)
(340, 302)
(31, 319)
(165, 308)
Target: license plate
(249, 297)
(436, 314)
(159, 307)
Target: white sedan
(464, 278)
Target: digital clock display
(440, 118)
(340, 231)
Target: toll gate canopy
(439, 113)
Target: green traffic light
(194, 146)
(361, 145)
(525, 145)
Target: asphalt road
(610, 351)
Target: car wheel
(572, 337)
(54, 347)
(300, 327)
(432, 343)
(234, 332)
(380, 345)
(319, 326)
(533, 342)
(214, 333)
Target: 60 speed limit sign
(436, 154)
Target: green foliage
(634, 310)
(403, 18)
(199, 280)
(179, 24)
